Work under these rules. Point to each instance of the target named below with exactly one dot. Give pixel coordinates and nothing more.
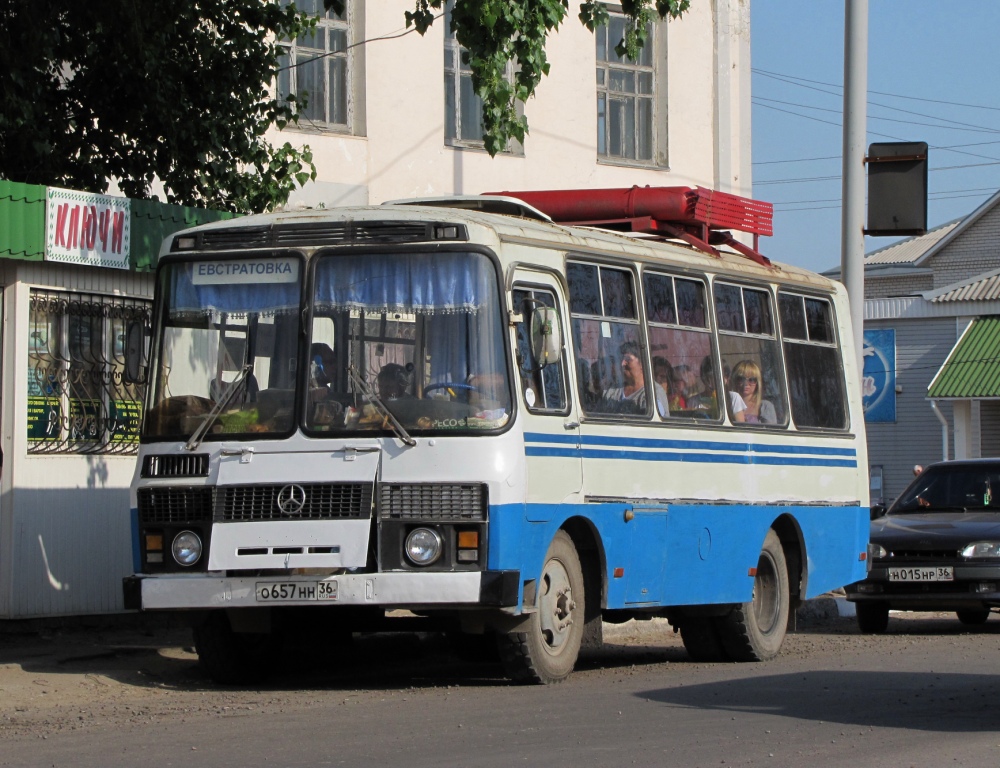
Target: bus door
(551, 424)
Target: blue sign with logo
(878, 377)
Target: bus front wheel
(754, 631)
(234, 658)
(547, 651)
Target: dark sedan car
(937, 548)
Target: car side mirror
(876, 511)
(546, 336)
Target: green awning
(972, 369)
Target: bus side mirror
(546, 336)
(136, 334)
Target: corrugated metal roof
(909, 250)
(980, 288)
(972, 368)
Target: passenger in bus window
(631, 396)
(663, 376)
(748, 386)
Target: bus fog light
(986, 586)
(186, 548)
(468, 555)
(423, 546)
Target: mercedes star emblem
(291, 500)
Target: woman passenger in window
(746, 376)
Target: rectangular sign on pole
(87, 229)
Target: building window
(78, 399)
(463, 108)
(316, 67)
(626, 96)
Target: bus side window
(754, 378)
(544, 389)
(815, 375)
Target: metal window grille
(78, 400)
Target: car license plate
(926, 573)
(295, 591)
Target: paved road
(924, 695)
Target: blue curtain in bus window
(419, 283)
(265, 298)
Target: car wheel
(873, 618)
(974, 616)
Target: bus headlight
(186, 548)
(423, 546)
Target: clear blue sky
(933, 75)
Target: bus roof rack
(699, 216)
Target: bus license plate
(295, 591)
(931, 573)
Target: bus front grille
(175, 505)
(433, 501)
(295, 501)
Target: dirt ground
(110, 672)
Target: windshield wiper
(368, 392)
(210, 417)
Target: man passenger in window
(748, 386)
(631, 396)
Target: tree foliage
(95, 90)
(497, 32)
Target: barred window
(78, 400)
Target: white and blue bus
(463, 413)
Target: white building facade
(393, 115)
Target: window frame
(833, 345)
(677, 326)
(62, 371)
(454, 74)
(637, 321)
(774, 337)
(655, 48)
(522, 375)
(352, 57)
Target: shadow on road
(923, 701)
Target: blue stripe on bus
(688, 456)
(686, 445)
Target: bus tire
(754, 631)
(234, 658)
(547, 652)
(873, 618)
(701, 639)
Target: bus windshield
(421, 331)
(226, 324)
(417, 334)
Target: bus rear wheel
(754, 631)
(234, 658)
(547, 651)
(701, 639)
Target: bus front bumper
(493, 589)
